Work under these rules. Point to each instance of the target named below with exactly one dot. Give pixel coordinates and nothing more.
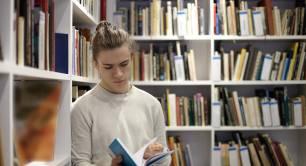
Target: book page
(138, 156)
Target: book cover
(128, 159)
(61, 53)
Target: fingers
(117, 161)
(156, 147)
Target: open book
(128, 159)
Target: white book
(244, 23)
(266, 113)
(202, 22)
(274, 112)
(216, 156)
(216, 67)
(232, 64)
(245, 157)
(169, 30)
(41, 45)
(297, 111)
(246, 112)
(226, 67)
(181, 22)
(233, 155)
(179, 68)
(172, 109)
(266, 67)
(192, 68)
(252, 114)
(194, 20)
(189, 24)
(257, 17)
(216, 114)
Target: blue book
(61, 53)
(118, 149)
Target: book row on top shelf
(259, 17)
(160, 18)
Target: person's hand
(116, 161)
(153, 149)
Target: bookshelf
(66, 14)
(201, 138)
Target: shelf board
(293, 82)
(81, 16)
(57, 162)
(167, 38)
(170, 83)
(234, 37)
(5, 67)
(83, 80)
(188, 128)
(243, 128)
(29, 73)
(268, 37)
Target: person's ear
(95, 63)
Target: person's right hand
(116, 161)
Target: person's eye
(124, 64)
(108, 67)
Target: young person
(114, 108)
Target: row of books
(156, 64)
(182, 152)
(36, 104)
(35, 38)
(159, 19)
(185, 111)
(92, 7)
(235, 18)
(267, 108)
(78, 91)
(82, 58)
(253, 64)
(256, 150)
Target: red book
(103, 10)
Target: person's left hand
(153, 149)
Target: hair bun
(103, 24)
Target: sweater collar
(105, 94)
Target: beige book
(250, 20)
(226, 67)
(253, 155)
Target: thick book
(118, 148)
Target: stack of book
(266, 109)
(35, 38)
(153, 64)
(256, 150)
(161, 19)
(253, 64)
(82, 58)
(182, 153)
(236, 18)
(185, 111)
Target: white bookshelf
(81, 16)
(204, 46)
(67, 13)
(200, 138)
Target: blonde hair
(109, 37)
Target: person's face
(114, 67)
